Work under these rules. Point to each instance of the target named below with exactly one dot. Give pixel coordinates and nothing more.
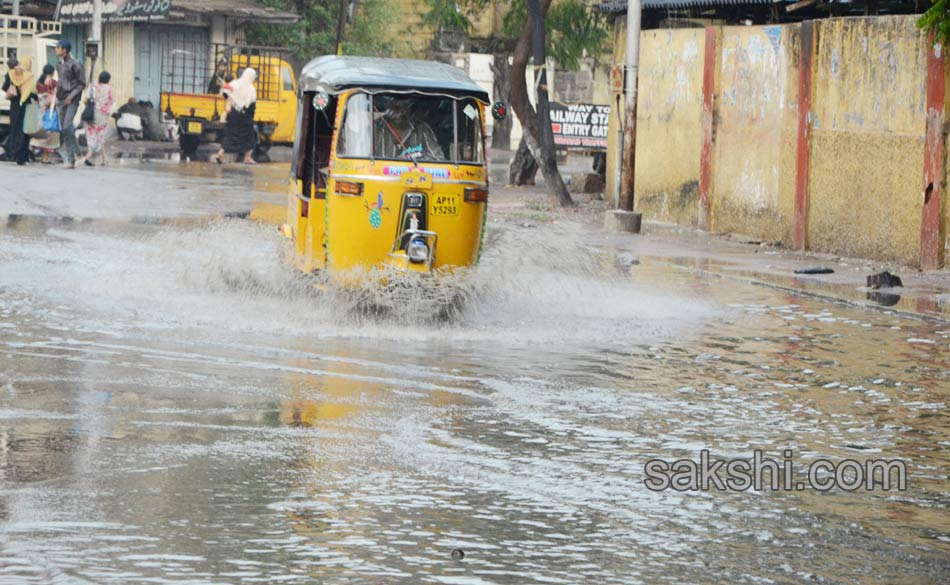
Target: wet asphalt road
(177, 406)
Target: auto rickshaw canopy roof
(334, 75)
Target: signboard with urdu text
(80, 11)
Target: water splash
(545, 285)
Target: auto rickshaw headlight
(417, 250)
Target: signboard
(617, 79)
(80, 11)
(580, 125)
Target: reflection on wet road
(176, 405)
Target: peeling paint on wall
(668, 124)
(865, 139)
(753, 176)
(866, 165)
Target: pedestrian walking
(46, 92)
(100, 96)
(19, 87)
(240, 134)
(72, 82)
(6, 91)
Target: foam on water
(540, 285)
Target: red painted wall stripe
(800, 213)
(705, 158)
(933, 160)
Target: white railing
(49, 28)
(21, 25)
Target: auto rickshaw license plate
(194, 127)
(445, 205)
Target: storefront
(138, 35)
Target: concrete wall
(669, 104)
(859, 182)
(755, 112)
(867, 147)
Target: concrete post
(709, 93)
(95, 34)
(800, 213)
(624, 219)
(930, 240)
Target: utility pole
(624, 218)
(95, 35)
(96, 21)
(340, 25)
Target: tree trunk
(545, 137)
(523, 167)
(537, 9)
(501, 69)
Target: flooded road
(176, 405)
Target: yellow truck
(191, 81)
(22, 36)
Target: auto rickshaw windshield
(411, 127)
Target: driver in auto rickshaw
(401, 133)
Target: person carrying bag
(21, 84)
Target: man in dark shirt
(72, 82)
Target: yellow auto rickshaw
(389, 168)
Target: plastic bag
(32, 125)
(51, 121)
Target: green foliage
(937, 19)
(572, 28)
(453, 14)
(315, 33)
(363, 36)
(513, 20)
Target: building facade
(137, 42)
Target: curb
(827, 297)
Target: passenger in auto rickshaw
(401, 133)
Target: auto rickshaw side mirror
(499, 111)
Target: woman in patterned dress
(101, 94)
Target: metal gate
(153, 43)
